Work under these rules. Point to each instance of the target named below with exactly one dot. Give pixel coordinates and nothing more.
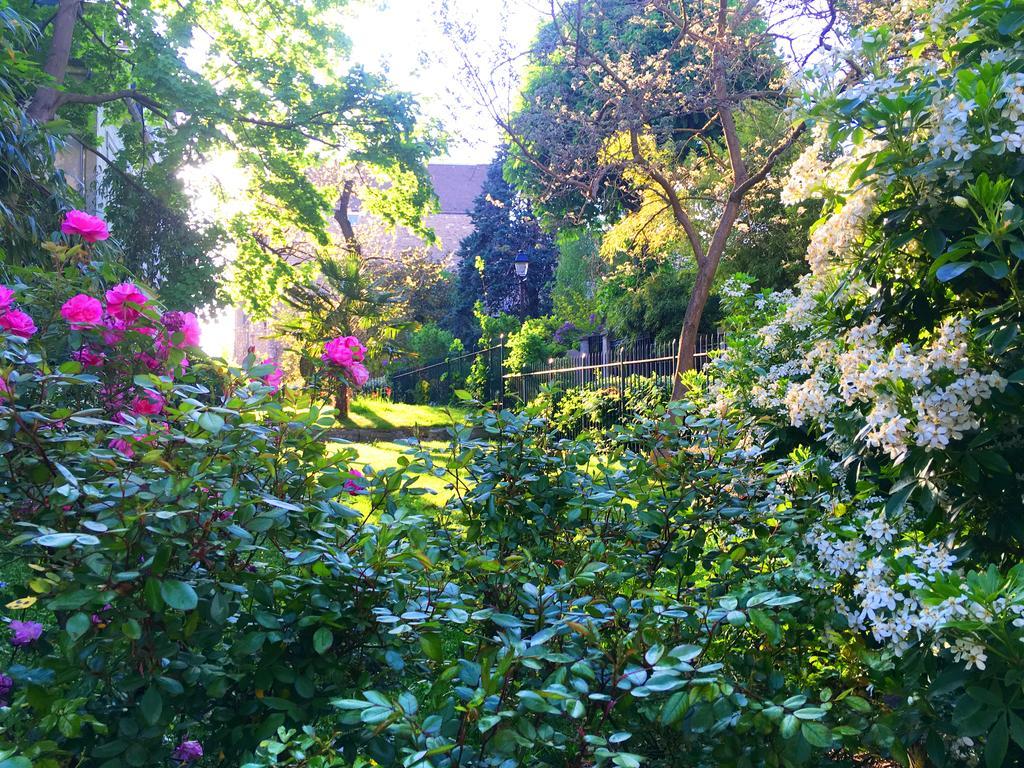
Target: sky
(407, 40)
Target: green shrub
(182, 538)
(533, 345)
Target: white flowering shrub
(896, 368)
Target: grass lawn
(381, 455)
(381, 414)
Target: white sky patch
(406, 40)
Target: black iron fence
(616, 368)
(479, 372)
(619, 368)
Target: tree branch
(665, 183)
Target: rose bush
(183, 572)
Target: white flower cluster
(940, 12)
(1011, 104)
(950, 137)
(917, 396)
(733, 288)
(808, 172)
(883, 588)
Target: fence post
(501, 371)
(622, 381)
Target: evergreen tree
(504, 226)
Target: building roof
(457, 186)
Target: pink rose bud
(6, 298)
(149, 403)
(343, 351)
(186, 323)
(359, 374)
(123, 447)
(275, 377)
(88, 357)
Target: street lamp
(522, 264)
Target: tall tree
(661, 105)
(32, 193)
(504, 228)
(269, 80)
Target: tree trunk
(706, 270)
(341, 400)
(46, 100)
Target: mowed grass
(382, 455)
(367, 413)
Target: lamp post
(522, 266)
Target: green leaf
(1011, 22)
(61, 540)
(78, 625)
(934, 242)
(131, 629)
(322, 639)
(178, 595)
(895, 503)
(997, 743)
(789, 726)
(220, 607)
(674, 708)
(431, 645)
(151, 705)
(858, 704)
(948, 272)
(816, 734)
(211, 422)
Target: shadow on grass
(379, 414)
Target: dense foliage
(816, 561)
(503, 228)
(270, 83)
(899, 362)
(32, 193)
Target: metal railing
(437, 382)
(482, 372)
(621, 379)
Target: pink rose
(17, 322)
(186, 323)
(274, 378)
(6, 298)
(343, 351)
(188, 751)
(123, 447)
(149, 403)
(90, 228)
(124, 302)
(88, 357)
(5, 389)
(113, 331)
(358, 374)
(82, 311)
(352, 486)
